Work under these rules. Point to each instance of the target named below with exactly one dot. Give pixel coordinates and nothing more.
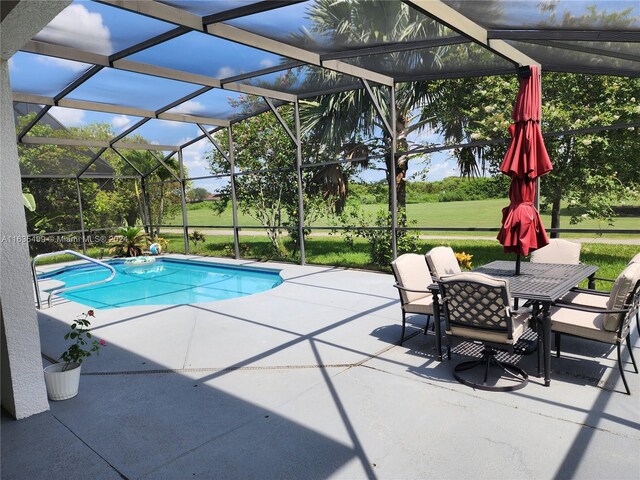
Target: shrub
(196, 237)
(378, 237)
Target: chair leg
(486, 370)
(557, 339)
(633, 360)
(488, 359)
(624, 380)
(448, 348)
(404, 322)
(426, 327)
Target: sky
(101, 29)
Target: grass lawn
(469, 214)
(331, 250)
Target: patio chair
(477, 307)
(608, 324)
(598, 298)
(442, 261)
(412, 279)
(558, 251)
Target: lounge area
(307, 381)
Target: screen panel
(42, 75)
(325, 27)
(117, 87)
(557, 15)
(99, 28)
(203, 54)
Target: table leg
(436, 318)
(546, 341)
(538, 325)
(592, 281)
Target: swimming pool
(163, 282)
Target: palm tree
(343, 119)
(130, 241)
(145, 161)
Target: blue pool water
(165, 282)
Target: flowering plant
(83, 347)
(464, 260)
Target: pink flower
(90, 313)
(103, 343)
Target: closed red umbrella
(522, 230)
(526, 159)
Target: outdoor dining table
(543, 283)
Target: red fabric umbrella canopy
(522, 230)
(526, 159)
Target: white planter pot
(62, 385)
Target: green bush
(379, 238)
(455, 189)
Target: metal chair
(598, 298)
(477, 307)
(412, 279)
(609, 324)
(558, 251)
(442, 261)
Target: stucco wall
(22, 338)
(23, 391)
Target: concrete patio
(307, 381)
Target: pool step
(48, 285)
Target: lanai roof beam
(443, 13)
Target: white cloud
(76, 27)
(266, 63)
(120, 122)
(440, 170)
(63, 63)
(190, 106)
(225, 72)
(194, 157)
(69, 117)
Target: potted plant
(63, 379)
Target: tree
(260, 143)
(163, 196)
(197, 194)
(592, 170)
(269, 195)
(345, 120)
(107, 202)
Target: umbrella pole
(518, 265)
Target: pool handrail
(66, 289)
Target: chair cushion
(422, 305)
(411, 272)
(442, 261)
(476, 277)
(519, 325)
(620, 292)
(635, 259)
(587, 299)
(582, 324)
(558, 251)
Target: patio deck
(306, 381)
